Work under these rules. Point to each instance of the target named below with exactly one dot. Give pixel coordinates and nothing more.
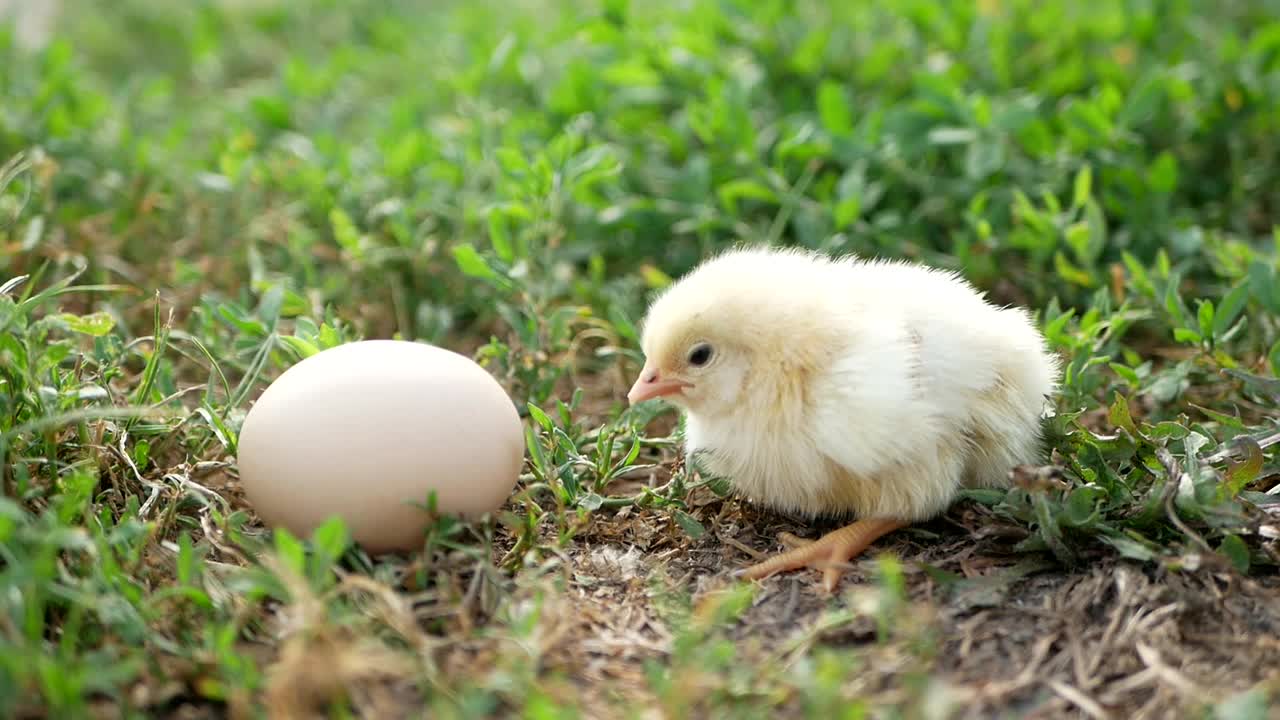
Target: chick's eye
(700, 355)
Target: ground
(196, 196)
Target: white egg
(367, 430)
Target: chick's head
(692, 364)
(728, 332)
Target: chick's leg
(825, 553)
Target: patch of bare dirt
(1016, 635)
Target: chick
(827, 386)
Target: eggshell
(367, 429)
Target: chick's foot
(791, 542)
(827, 553)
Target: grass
(196, 195)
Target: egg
(366, 430)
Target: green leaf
(500, 236)
(1125, 372)
(220, 429)
(689, 524)
(187, 566)
(1050, 532)
(345, 233)
(1080, 505)
(1174, 305)
(1232, 305)
(632, 454)
(329, 337)
(1077, 237)
(1263, 284)
(1120, 417)
(622, 324)
(653, 277)
(1129, 548)
(1096, 220)
(540, 417)
(1141, 280)
(1070, 272)
(537, 458)
(1240, 475)
(1082, 188)
(984, 158)
(846, 211)
(833, 108)
(1236, 551)
(273, 111)
(984, 496)
(1162, 176)
(270, 305)
(303, 348)
(471, 263)
(241, 322)
(569, 482)
(1204, 316)
(8, 313)
(290, 550)
(141, 454)
(96, 324)
(1168, 429)
(1055, 328)
(512, 161)
(730, 192)
(331, 538)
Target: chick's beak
(652, 384)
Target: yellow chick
(842, 386)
